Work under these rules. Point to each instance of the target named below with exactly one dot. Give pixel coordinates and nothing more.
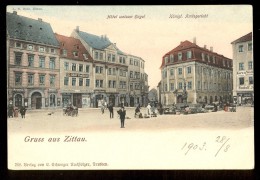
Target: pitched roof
(23, 28)
(94, 41)
(245, 38)
(71, 45)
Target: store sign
(77, 75)
(245, 87)
(18, 90)
(241, 73)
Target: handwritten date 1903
(193, 147)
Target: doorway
(36, 100)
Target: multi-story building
(192, 74)
(243, 82)
(32, 63)
(116, 75)
(76, 73)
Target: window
(109, 71)
(131, 86)
(87, 68)
(137, 86)
(101, 56)
(66, 66)
(203, 56)
(120, 60)
(113, 58)
(52, 51)
(131, 74)
(122, 73)
(41, 49)
(208, 58)
(99, 83)
(18, 79)
(111, 84)
(66, 81)
(251, 81)
(240, 48)
(250, 47)
(30, 79)
(18, 58)
(214, 59)
(189, 85)
(189, 70)
(75, 54)
(164, 73)
(73, 67)
(30, 60)
(180, 85)
(172, 86)
(96, 55)
(99, 69)
(18, 45)
(224, 62)
(73, 82)
(109, 57)
(188, 54)
(80, 81)
(80, 67)
(41, 80)
(52, 63)
(87, 82)
(64, 52)
(166, 60)
(42, 62)
(241, 66)
(52, 80)
(122, 84)
(131, 61)
(180, 71)
(114, 71)
(250, 65)
(179, 56)
(171, 58)
(241, 81)
(30, 47)
(172, 72)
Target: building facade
(76, 73)
(117, 76)
(32, 63)
(243, 70)
(192, 74)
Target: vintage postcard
(130, 87)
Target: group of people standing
(13, 111)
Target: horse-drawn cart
(70, 111)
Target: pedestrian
(23, 111)
(148, 109)
(111, 110)
(105, 105)
(102, 108)
(122, 114)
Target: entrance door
(77, 100)
(179, 99)
(36, 100)
(38, 103)
(18, 100)
(132, 101)
(112, 99)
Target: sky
(152, 31)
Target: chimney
(40, 19)
(15, 12)
(77, 29)
(211, 49)
(205, 46)
(194, 40)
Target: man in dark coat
(122, 114)
(22, 111)
(111, 110)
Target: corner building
(243, 70)
(206, 75)
(32, 63)
(112, 68)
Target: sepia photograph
(130, 87)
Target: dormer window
(30, 26)
(75, 53)
(30, 47)
(64, 52)
(41, 49)
(18, 45)
(166, 60)
(179, 56)
(171, 58)
(52, 50)
(188, 54)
